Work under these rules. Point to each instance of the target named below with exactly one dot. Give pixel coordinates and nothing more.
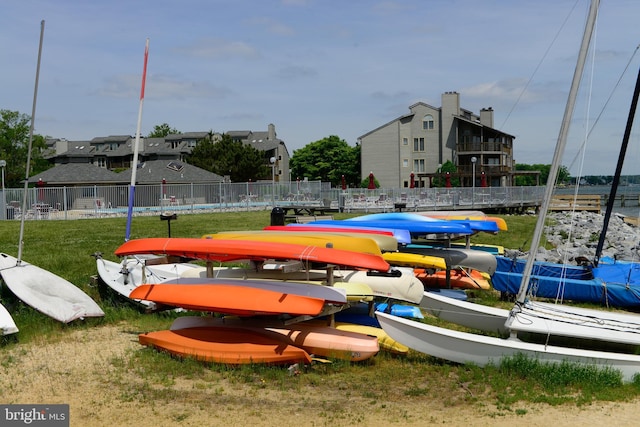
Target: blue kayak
(475, 225)
(413, 227)
(401, 235)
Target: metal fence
(101, 201)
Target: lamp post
(473, 180)
(272, 160)
(3, 164)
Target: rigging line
(535, 71)
(615, 87)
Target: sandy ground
(93, 370)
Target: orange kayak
(222, 250)
(230, 299)
(459, 278)
(225, 345)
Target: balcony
(482, 147)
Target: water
(630, 192)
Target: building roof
(77, 173)
(173, 171)
(151, 172)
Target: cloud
(161, 87)
(272, 26)
(511, 90)
(214, 48)
(295, 72)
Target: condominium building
(417, 144)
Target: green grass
(65, 248)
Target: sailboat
(43, 290)
(462, 347)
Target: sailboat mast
(616, 177)
(33, 118)
(559, 151)
(136, 149)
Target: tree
(228, 157)
(14, 143)
(522, 180)
(160, 131)
(328, 160)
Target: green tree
(328, 160)
(160, 131)
(14, 143)
(522, 180)
(228, 157)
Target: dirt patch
(93, 370)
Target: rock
(578, 237)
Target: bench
(580, 202)
(304, 219)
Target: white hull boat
(7, 325)
(462, 347)
(132, 272)
(46, 292)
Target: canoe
(225, 345)
(230, 298)
(458, 279)
(399, 283)
(345, 243)
(401, 235)
(235, 250)
(386, 242)
(415, 260)
(314, 338)
(46, 292)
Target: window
(418, 165)
(427, 122)
(418, 144)
(405, 141)
(405, 163)
(101, 162)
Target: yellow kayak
(414, 260)
(346, 243)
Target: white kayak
(46, 292)
(401, 284)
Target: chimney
(486, 117)
(271, 133)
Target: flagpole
(134, 162)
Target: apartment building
(419, 143)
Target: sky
(316, 68)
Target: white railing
(100, 201)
